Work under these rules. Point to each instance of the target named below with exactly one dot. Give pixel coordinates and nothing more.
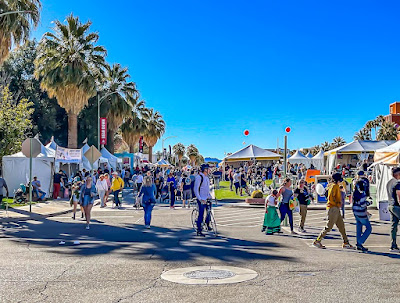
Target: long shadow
(131, 240)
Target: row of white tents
(16, 167)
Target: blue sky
(215, 68)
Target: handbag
(139, 200)
(292, 203)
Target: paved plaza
(118, 260)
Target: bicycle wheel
(213, 224)
(195, 215)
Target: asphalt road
(117, 260)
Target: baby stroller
(164, 194)
(20, 194)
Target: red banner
(103, 131)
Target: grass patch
(224, 193)
(13, 205)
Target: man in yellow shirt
(116, 186)
(334, 216)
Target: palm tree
(325, 146)
(155, 128)
(369, 126)
(192, 152)
(179, 150)
(388, 131)
(133, 126)
(338, 141)
(363, 134)
(122, 97)
(15, 28)
(69, 64)
(199, 159)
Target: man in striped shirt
(360, 204)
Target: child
(272, 222)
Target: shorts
(87, 200)
(187, 194)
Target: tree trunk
(110, 140)
(132, 149)
(151, 154)
(72, 130)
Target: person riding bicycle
(202, 193)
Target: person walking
(75, 198)
(148, 192)
(360, 203)
(57, 180)
(272, 222)
(102, 188)
(171, 183)
(302, 195)
(394, 209)
(202, 193)
(116, 186)
(334, 216)
(236, 182)
(3, 184)
(287, 193)
(186, 186)
(88, 192)
(139, 181)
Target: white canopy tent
(114, 161)
(299, 158)
(309, 155)
(252, 152)
(16, 169)
(163, 163)
(362, 149)
(318, 160)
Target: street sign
(92, 154)
(34, 144)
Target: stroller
(164, 194)
(20, 194)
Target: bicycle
(209, 213)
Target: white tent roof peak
(309, 155)
(319, 155)
(360, 146)
(298, 155)
(252, 151)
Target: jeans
(147, 207)
(38, 192)
(102, 193)
(200, 218)
(116, 198)
(395, 214)
(362, 237)
(172, 198)
(285, 210)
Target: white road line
(97, 217)
(240, 219)
(237, 216)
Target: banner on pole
(141, 145)
(103, 131)
(68, 155)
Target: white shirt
(270, 200)
(236, 177)
(101, 185)
(139, 179)
(202, 192)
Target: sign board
(141, 145)
(103, 131)
(92, 154)
(34, 144)
(68, 155)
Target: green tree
(70, 63)
(199, 159)
(15, 28)
(337, 142)
(134, 125)
(179, 150)
(363, 134)
(192, 152)
(155, 128)
(325, 146)
(48, 118)
(388, 131)
(123, 95)
(14, 122)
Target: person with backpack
(116, 186)
(202, 193)
(334, 217)
(186, 189)
(148, 191)
(360, 204)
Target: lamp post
(99, 100)
(163, 143)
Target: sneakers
(347, 246)
(293, 232)
(87, 227)
(301, 230)
(147, 226)
(318, 244)
(395, 249)
(361, 248)
(200, 234)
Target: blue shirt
(148, 193)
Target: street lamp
(163, 143)
(99, 100)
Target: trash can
(323, 180)
(384, 214)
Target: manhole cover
(209, 274)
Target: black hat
(337, 177)
(395, 170)
(204, 166)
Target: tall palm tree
(179, 150)
(363, 134)
(199, 159)
(388, 131)
(134, 125)
(338, 141)
(192, 152)
(155, 128)
(123, 95)
(69, 64)
(15, 28)
(369, 126)
(325, 146)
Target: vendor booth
(16, 170)
(353, 153)
(251, 153)
(299, 158)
